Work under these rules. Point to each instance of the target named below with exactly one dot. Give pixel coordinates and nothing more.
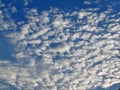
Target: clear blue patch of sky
(6, 48)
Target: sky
(59, 45)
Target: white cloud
(55, 52)
(34, 42)
(26, 2)
(82, 15)
(8, 24)
(115, 26)
(87, 2)
(39, 33)
(13, 9)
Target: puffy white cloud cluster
(59, 50)
(5, 22)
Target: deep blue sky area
(6, 48)
(41, 5)
(65, 5)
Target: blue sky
(59, 45)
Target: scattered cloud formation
(57, 50)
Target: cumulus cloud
(57, 52)
(6, 24)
